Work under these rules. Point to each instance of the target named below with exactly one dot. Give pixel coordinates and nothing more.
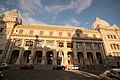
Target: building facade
(57, 45)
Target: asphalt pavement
(48, 75)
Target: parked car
(1, 75)
(4, 66)
(27, 67)
(75, 67)
(111, 74)
(59, 68)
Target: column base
(96, 62)
(86, 62)
(54, 61)
(17, 62)
(76, 62)
(5, 61)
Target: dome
(100, 22)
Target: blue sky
(79, 13)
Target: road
(48, 75)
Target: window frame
(20, 32)
(50, 33)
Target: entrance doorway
(90, 58)
(49, 56)
(60, 58)
(99, 57)
(14, 56)
(38, 57)
(70, 58)
(80, 57)
(26, 56)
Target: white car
(75, 67)
(4, 66)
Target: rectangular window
(114, 46)
(79, 45)
(39, 58)
(18, 42)
(111, 46)
(31, 32)
(111, 36)
(69, 34)
(41, 33)
(78, 35)
(108, 36)
(1, 51)
(60, 34)
(114, 36)
(50, 33)
(94, 35)
(39, 43)
(69, 45)
(88, 46)
(20, 31)
(61, 44)
(16, 30)
(96, 45)
(29, 43)
(118, 47)
(50, 44)
(1, 29)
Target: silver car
(4, 66)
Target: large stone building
(57, 45)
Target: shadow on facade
(88, 52)
(113, 60)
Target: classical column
(32, 55)
(65, 44)
(75, 54)
(20, 57)
(43, 57)
(105, 62)
(44, 54)
(85, 54)
(95, 60)
(55, 53)
(65, 58)
(55, 45)
(54, 57)
(6, 60)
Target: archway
(38, 57)
(80, 57)
(26, 56)
(60, 58)
(14, 56)
(49, 56)
(90, 58)
(70, 58)
(99, 57)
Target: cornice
(22, 35)
(34, 36)
(44, 27)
